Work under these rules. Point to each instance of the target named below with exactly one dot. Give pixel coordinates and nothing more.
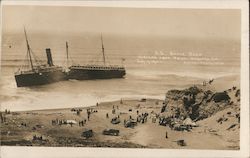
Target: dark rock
(237, 93)
(232, 126)
(221, 96)
(181, 142)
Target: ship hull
(39, 78)
(80, 74)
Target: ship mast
(28, 49)
(104, 61)
(67, 51)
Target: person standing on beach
(78, 112)
(166, 134)
(88, 113)
(1, 116)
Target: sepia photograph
(98, 75)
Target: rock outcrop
(199, 102)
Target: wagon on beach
(111, 132)
(164, 121)
(179, 127)
(143, 100)
(87, 133)
(181, 142)
(115, 120)
(130, 123)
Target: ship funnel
(49, 57)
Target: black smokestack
(49, 57)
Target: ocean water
(153, 65)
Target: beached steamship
(39, 74)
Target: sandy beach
(215, 125)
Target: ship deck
(40, 69)
(97, 67)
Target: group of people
(58, 122)
(3, 118)
(2, 115)
(23, 124)
(90, 111)
(209, 82)
(114, 109)
(78, 111)
(82, 123)
(7, 111)
(65, 122)
(142, 118)
(37, 137)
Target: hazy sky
(191, 23)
